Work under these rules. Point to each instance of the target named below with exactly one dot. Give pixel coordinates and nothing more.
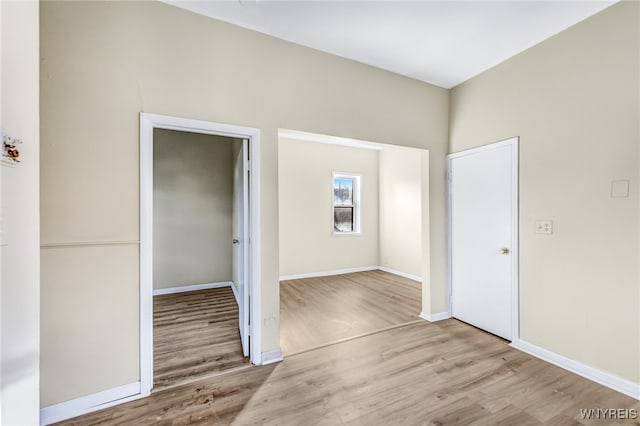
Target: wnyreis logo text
(609, 413)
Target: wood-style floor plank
(445, 373)
(316, 311)
(195, 334)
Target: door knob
(504, 250)
(236, 241)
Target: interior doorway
(353, 234)
(483, 233)
(198, 202)
(199, 222)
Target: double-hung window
(346, 203)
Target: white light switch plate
(544, 227)
(619, 189)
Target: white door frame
(148, 122)
(515, 306)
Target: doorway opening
(199, 264)
(353, 232)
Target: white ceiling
(439, 42)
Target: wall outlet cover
(619, 188)
(544, 227)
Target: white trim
(609, 380)
(515, 238)
(337, 140)
(89, 403)
(435, 317)
(349, 271)
(193, 287)
(483, 148)
(235, 293)
(515, 220)
(255, 241)
(147, 123)
(331, 140)
(72, 244)
(243, 220)
(327, 273)
(146, 252)
(448, 225)
(271, 357)
(401, 274)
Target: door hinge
(249, 330)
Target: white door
(483, 236)
(241, 242)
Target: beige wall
(192, 205)
(392, 200)
(104, 62)
(401, 210)
(307, 242)
(574, 102)
(20, 265)
(86, 306)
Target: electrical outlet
(619, 189)
(544, 227)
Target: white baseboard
(399, 273)
(235, 293)
(349, 271)
(328, 273)
(271, 357)
(194, 287)
(609, 380)
(89, 403)
(435, 317)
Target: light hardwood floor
(316, 311)
(445, 373)
(195, 334)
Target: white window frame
(357, 189)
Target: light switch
(544, 227)
(619, 188)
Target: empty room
(196, 306)
(336, 212)
(351, 246)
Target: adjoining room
(353, 221)
(195, 270)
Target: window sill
(347, 234)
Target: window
(346, 203)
